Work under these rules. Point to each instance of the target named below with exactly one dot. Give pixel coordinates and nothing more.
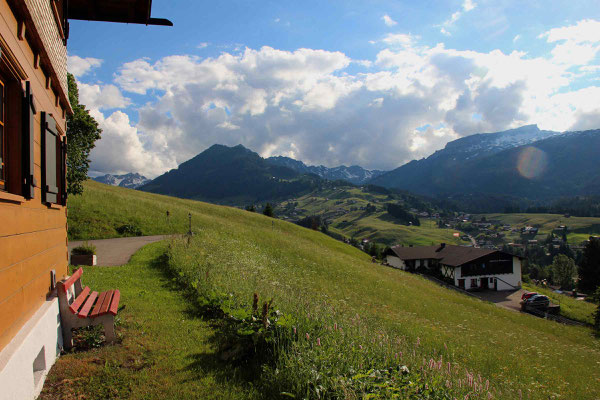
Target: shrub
(85, 249)
(129, 230)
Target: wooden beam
(36, 60)
(21, 30)
(48, 82)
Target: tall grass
(320, 282)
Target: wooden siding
(33, 237)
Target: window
(473, 283)
(54, 157)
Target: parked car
(528, 295)
(538, 301)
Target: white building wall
(504, 281)
(396, 262)
(26, 360)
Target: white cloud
(402, 39)
(80, 66)
(388, 20)
(308, 104)
(101, 97)
(517, 37)
(579, 43)
(583, 31)
(121, 150)
(468, 5)
(203, 45)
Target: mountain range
(353, 174)
(503, 168)
(525, 162)
(131, 180)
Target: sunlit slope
(580, 228)
(300, 268)
(343, 208)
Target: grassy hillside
(388, 317)
(342, 207)
(580, 228)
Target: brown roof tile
(449, 254)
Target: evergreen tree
(589, 269)
(251, 208)
(268, 211)
(82, 133)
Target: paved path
(508, 299)
(118, 251)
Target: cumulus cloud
(121, 149)
(388, 20)
(79, 66)
(412, 100)
(101, 97)
(579, 43)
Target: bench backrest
(66, 285)
(69, 289)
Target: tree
(597, 313)
(82, 133)
(251, 208)
(589, 269)
(268, 211)
(563, 270)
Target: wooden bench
(79, 308)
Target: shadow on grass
(241, 371)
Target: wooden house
(468, 268)
(34, 106)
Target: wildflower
(307, 336)
(449, 367)
(446, 347)
(335, 326)
(318, 341)
(396, 356)
(418, 341)
(294, 330)
(360, 346)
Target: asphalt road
(508, 299)
(112, 252)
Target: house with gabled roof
(468, 268)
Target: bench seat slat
(87, 307)
(79, 300)
(96, 309)
(114, 304)
(106, 303)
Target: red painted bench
(79, 308)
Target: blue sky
(374, 83)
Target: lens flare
(532, 162)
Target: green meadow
(580, 228)
(367, 318)
(376, 226)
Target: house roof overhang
(124, 11)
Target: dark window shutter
(63, 172)
(49, 159)
(27, 142)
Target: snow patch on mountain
(131, 180)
